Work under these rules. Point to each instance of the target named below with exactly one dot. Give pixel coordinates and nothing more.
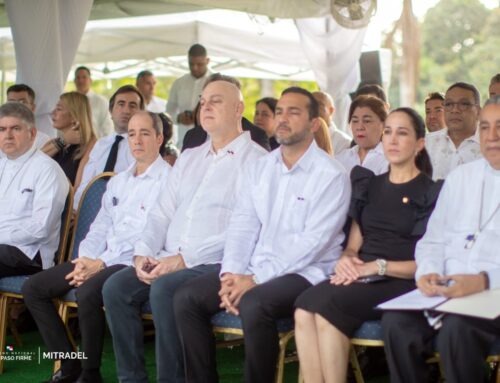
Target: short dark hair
(313, 107)
(493, 100)
(82, 67)
(371, 89)
(375, 104)
(197, 50)
(495, 79)
(434, 96)
(469, 87)
(222, 77)
(22, 88)
(126, 89)
(144, 73)
(269, 101)
(168, 126)
(20, 111)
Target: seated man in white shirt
(284, 236)
(184, 236)
(458, 256)
(340, 140)
(107, 248)
(101, 121)
(459, 142)
(33, 190)
(112, 153)
(26, 95)
(146, 83)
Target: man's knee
(114, 290)
(185, 298)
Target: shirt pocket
(296, 214)
(24, 201)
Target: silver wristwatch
(382, 266)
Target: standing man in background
(186, 91)
(146, 83)
(101, 120)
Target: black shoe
(58, 377)
(89, 376)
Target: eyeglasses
(461, 105)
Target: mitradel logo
(28, 356)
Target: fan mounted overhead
(353, 13)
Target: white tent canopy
(47, 34)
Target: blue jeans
(124, 295)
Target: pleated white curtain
(46, 35)
(333, 52)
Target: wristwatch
(382, 266)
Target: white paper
(414, 300)
(485, 304)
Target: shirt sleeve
(430, 250)
(324, 222)
(48, 204)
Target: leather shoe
(58, 377)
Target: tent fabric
(333, 53)
(46, 36)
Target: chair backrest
(64, 232)
(89, 206)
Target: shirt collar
(379, 149)
(473, 138)
(233, 148)
(305, 162)
(22, 158)
(153, 171)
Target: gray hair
(494, 100)
(18, 110)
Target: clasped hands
(84, 269)
(350, 267)
(451, 286)
(233, 287)
(148, 268)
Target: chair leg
(64, 314)
(281, 358)
(353, 358)
(498, 372)
(15, 333)
(3, 327)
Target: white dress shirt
(97, 160)
(340, 140)
(442, 250)
(375, 159)
(289, 221)
(101, 119)
(184, 95)
(445, 156)
(156, 105)
(192, 216)
(121, 220)
(33, 191)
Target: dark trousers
(197, 300)
(41, 288)
(14, 262)
(124, 296)
(462, 342)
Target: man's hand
(233, 287)
(461, 285)
(143, 267)
(84, 269)
(428, 283)
(168, 265)
(185, 118)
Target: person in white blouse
(458, 256)
(33, 190)
(107, 248)
(340, 140)
(366, 117)
(184, 236)
(459, 142)
(146, 83)
(284, 236)
(186, 90)
(112, 153)
(101, 120)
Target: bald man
(340, 140)
(184, 237)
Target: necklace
(15, 175)
(471, 238)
